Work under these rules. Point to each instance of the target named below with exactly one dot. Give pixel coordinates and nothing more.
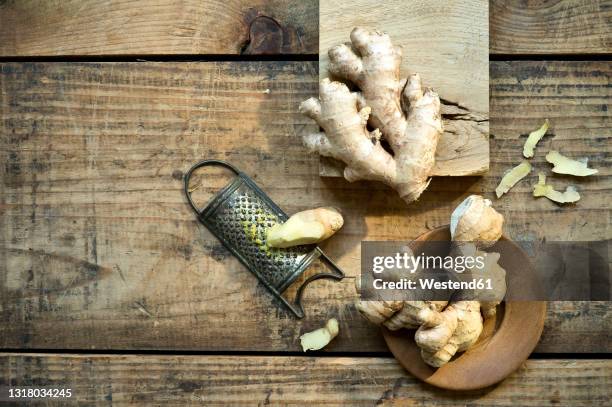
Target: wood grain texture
(447, 43)
(575, 97)
(236, 380)
(98, 248)
(34, 27)
(127, 27)
(551, 27)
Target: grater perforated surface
(242, 218)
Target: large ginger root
(396, 315)
(413, 314)
(466, 333)
(431, 337)
(475, 221)
(476, 225)
(378, 312)
(306, 227)
(407, 116)
(447, 328)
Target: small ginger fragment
(564, 165)
(541, 189)
(512, 177)
(533, 139)
(306, 227)
(319, 338)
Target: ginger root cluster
(445, 328)
(399, 110)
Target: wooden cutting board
(447, 43)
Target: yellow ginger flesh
(512, 177)
(564, 165)
(570, 194)
(533, 139)
(306, 227)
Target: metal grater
(239, 215)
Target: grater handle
(337, 274)
(200, 164)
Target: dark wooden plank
(125, 27)
(575, 97)
(98, 248)
(551, 27)
(237, 380)
(576, 323)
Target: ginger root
(319, 338)
(564, 165)
(306, 227)
(533, 139)
(468, 329)
(490, 299)
(431, 337)
(378, 312)
(541, 189)
(475, 220)
(405, 114)
(445, 328)
(512, 177)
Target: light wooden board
(545, 27)
(301, 381)
(447, 43)
(125, 27)
(98, 248)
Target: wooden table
(109, 285)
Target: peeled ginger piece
(512, 177)
(564, 165)
(541, 189)
(306, 227)
(533, 139)
(319, 338)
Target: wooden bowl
(506, 341)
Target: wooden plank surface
(126, 27)
(98, 248)
(551, 27)
(441, 40)
(330, 381)
(37, 27)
